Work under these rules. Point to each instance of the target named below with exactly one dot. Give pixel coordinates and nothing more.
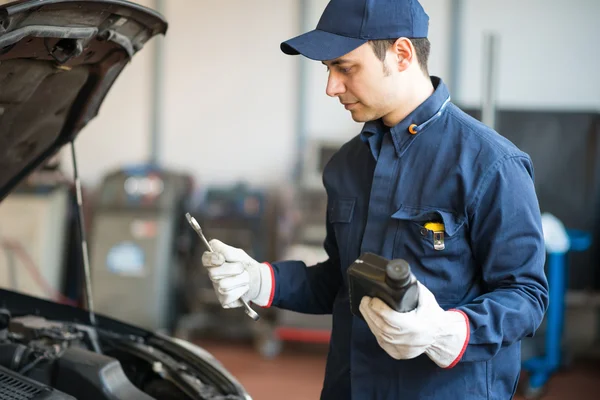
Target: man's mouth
(349, 106)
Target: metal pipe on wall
(157, 95)
(456, 14)
(490, 79)
(301, 87)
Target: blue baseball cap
(348, 24)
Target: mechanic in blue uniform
(423, 182)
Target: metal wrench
(192, 221)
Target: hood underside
(58, 60)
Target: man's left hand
(442, 335)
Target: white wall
(549, 55)
(230, 89)
(229, 99)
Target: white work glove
(442, 335)
(236, 275)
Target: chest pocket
(341, 213)
(435, 244)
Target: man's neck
(415, 96)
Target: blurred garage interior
(155, 152)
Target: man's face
(366, 87)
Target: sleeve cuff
(267, 289)
(452, 340)
(466, 340)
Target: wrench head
(192, 221)
(250, 312)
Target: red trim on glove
(462, 352)
(272, 295)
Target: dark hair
(422, 48)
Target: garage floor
(297, 373)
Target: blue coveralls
(382, 186)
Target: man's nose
(335, 86)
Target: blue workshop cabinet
(541, 367)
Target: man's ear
(404, 53)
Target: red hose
(34, 272)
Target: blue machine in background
(136, 243)
(542, 367)
(238, 216)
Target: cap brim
(320, 45)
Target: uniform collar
(372, 134)
(406, 130)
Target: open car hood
(58, 60)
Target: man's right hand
(236, 275)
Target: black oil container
(389, 280)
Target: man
(420, 168)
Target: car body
(58, 61)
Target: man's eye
(340, 69)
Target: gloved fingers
(210, 259)
(383, 344)
(228, 300)
(366, 313)
(234, 282)
(391, 350)
(231, 254)
(231, 298)
(225, 271)
(400, 351)
(381, 337)
(234, 304)
(426, 297)
(394, 320)
(377, 324)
